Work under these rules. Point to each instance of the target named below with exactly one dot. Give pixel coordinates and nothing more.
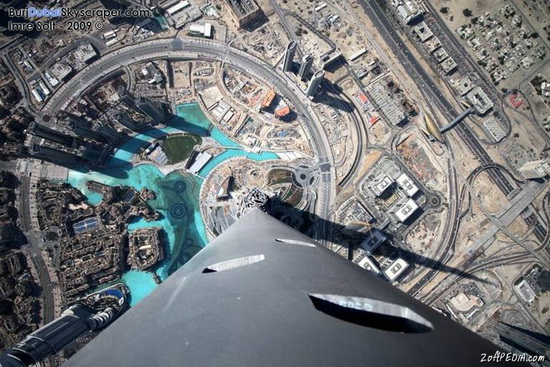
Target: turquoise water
(223, 140)
(231, 153)
(140, 284)
(176, 194)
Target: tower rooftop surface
(263, 294)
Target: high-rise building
(263, 294)
(52, 155)
(53, 337)
(125, 120)
(305, 67)
(126, 96)
(289, 56)
(524, 340)
(314, 83)
(142, 104)
(535, 169)
(91, 313)
(84, 128)
(151, 109)
(53, 135)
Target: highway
(462, 56)
(427, 85)
(473, 265)
(360, 127)
(327, 188)
(34, 250)
(199, 48)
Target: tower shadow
(307, 223)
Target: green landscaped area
(179, 147)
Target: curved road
(202, 49)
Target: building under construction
(244, 11)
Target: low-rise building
(244, 11)
(449, 65)
(200, 162)
(479, 100)
(409, 11)
(201, 30)
(422, 31)
(464, 85)
(494, 129)
(535, 169)
(367, 264)
(525, 291)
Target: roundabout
(179, 205)
(185, 48)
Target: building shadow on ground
(309, 224)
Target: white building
(367, 264)
(479, 99)
(407, 185)
(204, 30)
(381, 184)
(404, 209)
(394, 271)
(535, 169)
(177, 7)
(358, 54)
(200, 162)
(525, 291)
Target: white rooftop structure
(403, 212)
(50, 79)
(204, 29)
(358, 54)
(464, 85)
(179, 6)
(37, 95)
(60, 70)
(85, 52)
(409, 11)
(44, 88)
(396, 269)
(380, 185)
(321, 6)
(535, 169)
(407, 185)
(367, 264)
(463, 302)
(109, 35)
(479, 99)
(112, 41)
(423, 31)
(525, 291)
(200, 161)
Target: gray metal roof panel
(261, 314)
